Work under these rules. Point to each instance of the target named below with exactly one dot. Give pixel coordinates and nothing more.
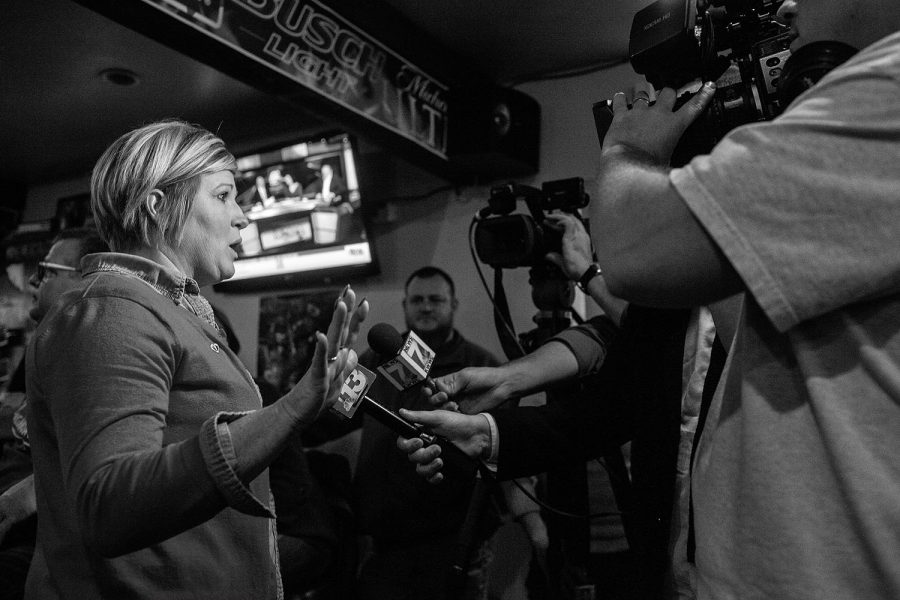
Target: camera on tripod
(739, 44)
(504, 240)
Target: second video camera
(504, 240)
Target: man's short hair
(428, 273)
(169, 156)
(89, 239)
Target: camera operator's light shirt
(796, 481)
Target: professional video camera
(740, 45)
(504, 240)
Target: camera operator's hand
(471, 433)
(654, 131)
(576, 255)
(472, 389)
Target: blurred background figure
(281, 185)
(57, 273)
(328, 186)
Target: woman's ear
(152, 203)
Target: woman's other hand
(334, 359)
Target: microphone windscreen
(384, 339)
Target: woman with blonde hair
(149, 438)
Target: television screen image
(302, 201)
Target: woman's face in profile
(212, 230)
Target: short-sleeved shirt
(796, 480)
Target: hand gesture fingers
(357, 316)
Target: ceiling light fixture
(120, 77)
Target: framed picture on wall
(287, 337)
(74, 211)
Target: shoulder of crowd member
(589, 342)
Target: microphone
(412, 358)
(353, 396)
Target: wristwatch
(592, 271)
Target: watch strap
(592, 271)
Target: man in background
(327, 186)
(59, 272)
(414, 526)
(410, 527)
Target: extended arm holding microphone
(409, 365)
(456, 460)
(471, 434)
(575, 352)
(531, 439)
(477, 389)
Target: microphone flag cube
(411, 365)
(353, 390)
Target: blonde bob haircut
(163, 159)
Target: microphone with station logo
(411, 358)
(353, 396)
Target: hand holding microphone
(409, 366)
(473, 389)
(470, 435)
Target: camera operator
(795, 479)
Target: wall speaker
(493, 133)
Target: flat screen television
(303, 203)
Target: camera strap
(502, 320)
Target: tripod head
(552, 294)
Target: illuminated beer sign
(314, 46)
